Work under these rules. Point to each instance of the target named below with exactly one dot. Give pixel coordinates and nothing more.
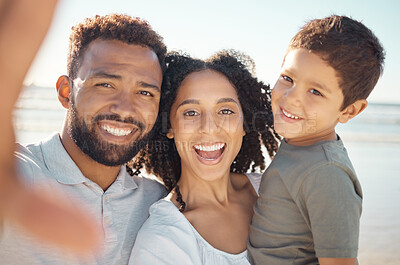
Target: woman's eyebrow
(224, 100)
(189, 101)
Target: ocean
(372, 140)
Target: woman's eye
(191, 113)
(286, 78)
(315, 92)
(226, 112)
(145, 93)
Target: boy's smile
(306, 99)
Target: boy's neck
(329, 136)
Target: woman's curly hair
(161, 157)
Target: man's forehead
(113, 56)
(100, 49)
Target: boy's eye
(191, 113)
(226, 112)
(145, 93)
(286, 78)
(315, 92)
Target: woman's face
(206, 124)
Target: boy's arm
(23, 25)
(337, 261)
(332, 199)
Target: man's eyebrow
(189, 101)
(102, 74)
(147, 85)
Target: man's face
(114, 100)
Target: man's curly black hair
(161, 157)
(130, 30)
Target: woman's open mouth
(209, 154)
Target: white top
(167, 237)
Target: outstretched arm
(23, 25)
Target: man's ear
(63, 87)
(170, 134)
(352, 110)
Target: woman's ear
(170, 134)
(63, 87)
(352, 110)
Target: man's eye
(104, 85)
(286, 78)
(191, 113)
(226, 112)
(315, 92)
(145, 93)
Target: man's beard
(101, 151)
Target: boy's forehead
(311, 69)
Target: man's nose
(124, 104)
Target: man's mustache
(116, 117)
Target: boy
(310, 199)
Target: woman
(214, 118)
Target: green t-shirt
(309, 206)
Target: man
(112, 92)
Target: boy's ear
(352, 110)
(63, 87)
(170, 134)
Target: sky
(260, 28)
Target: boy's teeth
(116, 132)
(287, 114)
(209, 148)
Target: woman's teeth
(209, 148)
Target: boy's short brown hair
(350, 48)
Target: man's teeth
(209, 148)
(289, 115)
(116, 132)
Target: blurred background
(262, 29)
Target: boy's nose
(293, 96)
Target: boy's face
(306, 99)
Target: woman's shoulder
(165, 236)
(255, 180)
(245, 180)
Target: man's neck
(102, 175)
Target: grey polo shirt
(121, 209)
(309, 206)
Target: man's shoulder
(29, 159)
(151, 185)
